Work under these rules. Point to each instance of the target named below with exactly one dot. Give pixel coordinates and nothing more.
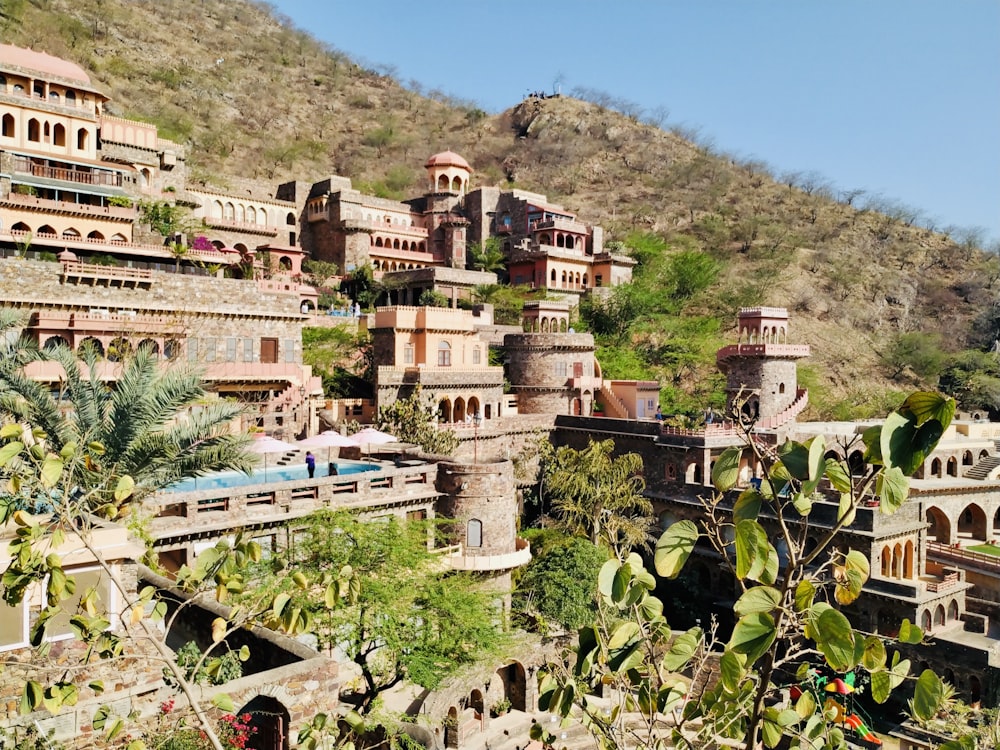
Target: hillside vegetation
(885, 301)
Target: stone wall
(25, 283)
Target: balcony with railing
(118, 213)
(92, 273)
(469, 559)
(84, 109)
(383, 228)
(240, 226)
(79, 175)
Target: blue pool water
(225, 479)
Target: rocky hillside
(255, 97)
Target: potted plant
(500, 707)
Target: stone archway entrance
(514, 685)
(270, 721)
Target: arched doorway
(476, 703)
(459, 411)
(972, 522)
(270, 721)
(939, 616)
(444, 410)
(940, 526)
(514, 685)
(473, 407)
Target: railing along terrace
(230, 507)
(94, 269)
(959, 555)
(82, 176)
(120, 212)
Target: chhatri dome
(448, 172)
(42, 62)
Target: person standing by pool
(310, 463)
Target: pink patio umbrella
(329, 439)
(264, 444)
(370, 436)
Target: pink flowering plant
(172, 732)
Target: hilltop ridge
(254, 97)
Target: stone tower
(481, 498)
(761, 367)
(448, 177)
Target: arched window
(251, 215)
(54, 96)
(47, 230)
(54, 341)
(97, 236)
(217, 210)
(443, 182)
(82, 139)
(474, 533)
(71, 98)
(290, 219)
(241, 214)
(444, 354)
(8, 126)
(71, 234)
(34, 130)
(553, 276)
(228, 212)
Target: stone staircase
(289, 457)
(613, 406)
(984, 468)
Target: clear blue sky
(897, 97)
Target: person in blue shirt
(310, 463)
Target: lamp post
(476, 420)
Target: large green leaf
(753, 635)
(872, 438)
(795, 458)
(893, 488)
(624, 634)
(681, 650)
(726, 469)
(606, 577)
(816, 461)
(926, 405)
(757, 599)
(10, 450)
(905, 444)
(835, 639)
(910, 633)
(750, 538)
(838, 475)
(805, 592)
(747, 506)
(731, 670)
(674, 547)
(927, 695)
(874, 655)
(619, 586)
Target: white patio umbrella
(329, 439)
(370, 436)
(264, 444)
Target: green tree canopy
(560, 582)
(414, 420)
(410, 618)
(598, 496)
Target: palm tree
(155, 425)
(599, 497)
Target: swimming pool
(225, 479)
